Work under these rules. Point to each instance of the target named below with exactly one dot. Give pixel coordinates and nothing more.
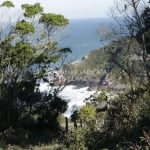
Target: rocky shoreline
(95, 85)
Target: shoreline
(97, 85)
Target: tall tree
(131, 19)
(24, 60)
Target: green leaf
(24, 27)
(7, 4)
(87, 112)
(41, 58)
(22, 53)
(102, 97)
(32, 10)
(54, 59)
(53, 19)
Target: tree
(129, 53)
(87, 113)
(25, 57)
(131, 28)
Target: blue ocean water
(82, 36)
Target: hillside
(101, 67)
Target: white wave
(44, 86)
(73, 95)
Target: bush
(75, 140)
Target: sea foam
(73, 95)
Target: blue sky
(73, 9)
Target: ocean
(75, 97)
(81, 35)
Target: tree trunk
(66, 121)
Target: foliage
(76, 140)
(90, 69)
(136, 27)
(22, 53)
(23, 64)
(87, 112)
(7, 4)
(146, 28)
(133, 117)
(53, 19)
(32, 10)
(117, 63)
(125, 125)
(102, 97)
(128, 57)
(24, 27)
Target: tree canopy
(7, 4)
(24, 61)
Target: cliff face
(104, 67)
(89, 71)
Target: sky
(72, 9)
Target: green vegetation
(87, 112)
(7, 4)
(90, 69)
(32, 10)
(111, 64)
(23, 109)
(53, 19)
(24, 27)
(122, 122)
(32, 120)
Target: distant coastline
(82, 37)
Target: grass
(37, 139)
(53, 146)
